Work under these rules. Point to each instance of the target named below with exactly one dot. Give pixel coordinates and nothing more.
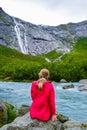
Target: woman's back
(43, 101)
(43, 98)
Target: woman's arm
(52, 103)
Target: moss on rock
(62, 118)
(7, 113)
(84, 125)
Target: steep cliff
(37, 39)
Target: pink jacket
(43, 102)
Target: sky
(47, 12)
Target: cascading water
(26, 44)
(22, 40)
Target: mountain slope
(16, 66)
(36, 39)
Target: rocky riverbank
(26, 123)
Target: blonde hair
(43, 77)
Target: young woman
(43, 98)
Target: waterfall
(21, 36)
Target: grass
(79, 53)
(18, 66)
(12, 54)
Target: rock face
(26, 123)
(37, 39)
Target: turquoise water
(70, 102)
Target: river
(70, 102)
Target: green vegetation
(84, 125)
(8, 113)
(52, 55)
(15, 66)
(11, 112)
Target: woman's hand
(54, 118)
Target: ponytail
(43, 77)
(41, 81)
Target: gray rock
(26, 123)
(74, 125)
(63, 81)
(82, 88)
(84, 81)
(68, 86)
(23, 110)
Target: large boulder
(26, 123)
